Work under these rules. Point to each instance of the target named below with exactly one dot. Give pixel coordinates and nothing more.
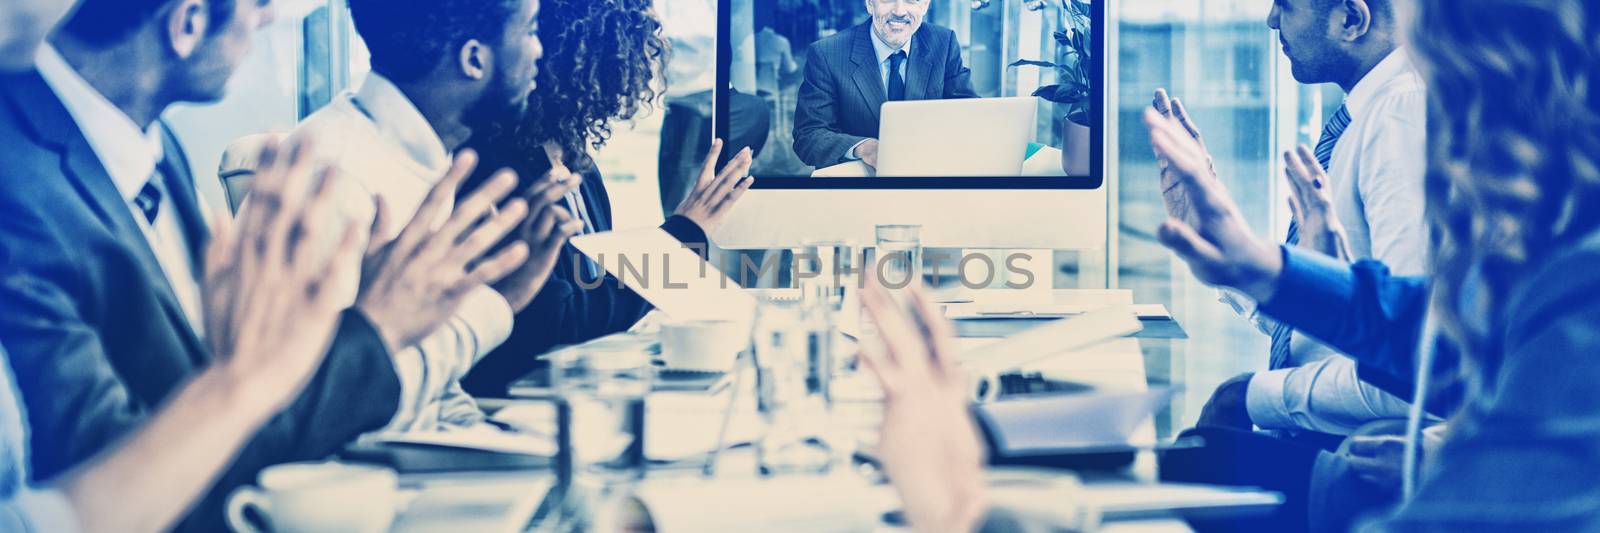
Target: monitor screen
(913, 93)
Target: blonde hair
(1514, 144)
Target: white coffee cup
(702, 344)
(324, 497)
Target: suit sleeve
(817, 139)
(1359, 309)
(79, 403)
(957, 77)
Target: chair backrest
(238, 167)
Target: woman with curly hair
(602, 63)
(1501, 340)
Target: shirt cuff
(488, 318)
(436, 365)
(687, 232)
(409, 367)
(850, 155)
(1264, 400)
(44, 510)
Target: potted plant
(1072, 87)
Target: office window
(266, 94)
(1220, 58)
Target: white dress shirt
(883, 51)
(1376, 178)
(384, 147)
(130, 156)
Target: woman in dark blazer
(599, 66)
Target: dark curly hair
(409, 38)
(601, 59)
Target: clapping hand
(1320, 228)
(545, 231)
(1173, 196)
(272, 292)
(413, 284)
(716, 193)
(1208, 232)
(929, 446)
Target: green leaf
(1047, 92)
(1032, 63)
(1080, 118)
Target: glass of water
(600, 433)
(790, 391)
(898, 261)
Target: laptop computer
(969, 137)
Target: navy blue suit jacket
(843, 89)
(95, 334)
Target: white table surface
(459, 503)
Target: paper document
(668, 275)
(978, 310)
(1056, 423)
(1126, 500)
(483, 438)
(1054, 338)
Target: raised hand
(1211, 236)
(1320, 228)
(929, 445)
(1172, 196)
(272, 292)
(716, 193)
(544, 231)
(413, 284)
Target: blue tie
(897, 83)
(149, 198)
(1281, 334)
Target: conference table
(682, 498)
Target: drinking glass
(789, 396)
(600, 433)
(898, 262)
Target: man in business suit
(849, 76)
(100, 249)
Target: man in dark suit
(849, 76)
(101, 249)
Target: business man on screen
(849, 75)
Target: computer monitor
(818, 73)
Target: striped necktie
(1281, 333)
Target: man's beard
(495, 116)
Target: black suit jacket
(843, 88)
(565, 311)
(95, 334)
